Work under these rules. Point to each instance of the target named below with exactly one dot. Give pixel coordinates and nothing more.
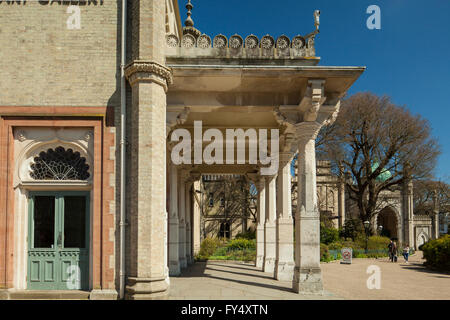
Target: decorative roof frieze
(298, 47)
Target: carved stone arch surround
(30, 147)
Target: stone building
(90, 96)
(395, 215)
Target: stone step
(48, 295)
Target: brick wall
(42, 62)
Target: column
(261, 217)
(307, 273)
(189, 258)
(408, 205)
(435, 218)
(341, 203)
(147, 272)
(270, 225)
(196, 218)
(284, 266)
(174, 261)
(182, 219)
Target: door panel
(58, 254)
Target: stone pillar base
(308, 281)
(147, 289)
(269, 265)
(284, 271)
(259, 261)
(103, 295)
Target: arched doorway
(421, 239)
(387, 218)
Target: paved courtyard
(231, 281)
(242, 281)
(398, 280)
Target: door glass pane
(44, 221)
(74, 222)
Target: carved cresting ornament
(148, 71)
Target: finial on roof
(189, 22)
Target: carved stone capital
(195, 176)
(260, 184)
(285, 158)
(253, 177)
(307, 131)
(148, 71)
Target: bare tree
(227, 199)
(426, 192)
(374, 146)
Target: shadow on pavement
(200, 269)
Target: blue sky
(408, 59)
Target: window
(59, 164)
(222, 200)
(224, 231)
(211, 199)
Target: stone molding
(148, 71)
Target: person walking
(390, 251)
(406, 253)
(394, 251)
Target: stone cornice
(148, 71)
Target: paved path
(232, 281)
(398, 280)
(242, 281)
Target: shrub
(328, 235)
(208, 247)
(437, 253)
(378, 243)
(246, 235)
(240, 244)
(335, 246)
(351, 229)
(324, 253)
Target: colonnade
(277, 252)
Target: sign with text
(347, 255)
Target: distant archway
(421, 239)
(387, 218)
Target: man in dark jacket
(390, 248)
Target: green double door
(58, 241)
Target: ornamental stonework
(148, 70)
(283, 48)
